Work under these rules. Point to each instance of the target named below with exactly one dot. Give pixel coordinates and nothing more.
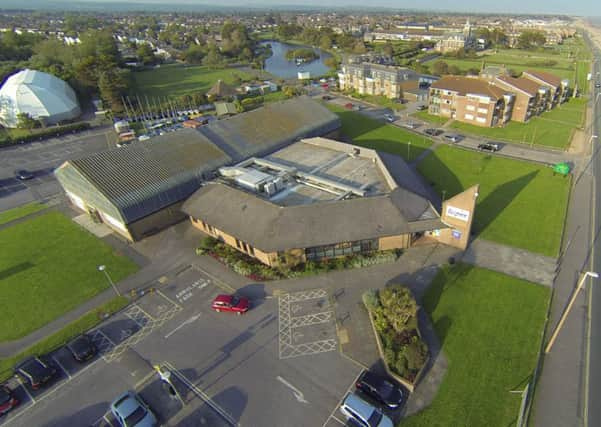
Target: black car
(7, 400)
(82, 348)
(489, 146)
(433, 132)
(35, 372)
(24, 175)
(380, 389)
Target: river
(279, 66)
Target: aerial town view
(298, 214)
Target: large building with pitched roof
(319, 198)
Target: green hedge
(46, 133)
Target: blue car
(131, 411)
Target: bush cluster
(256, 270)
(394, 312)
(48, 133)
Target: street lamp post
(567, 311)
(108, 278)
(409, 151)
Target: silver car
(362, 413)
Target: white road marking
(184, 323)
(27, 391)
(340, 401)
(61, 366)
(340, 421)
(297, 393)
(202, 395)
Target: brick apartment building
(470, 100)
(495, 97)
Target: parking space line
(202, 395)
(33, 401)
(145, 312)
(105, 336)
(168, 299)
(340, 401)
(336, 419)
(218, 282)
(61, 366)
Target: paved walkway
(511, 261)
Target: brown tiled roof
(522, 83)
(549, 78)
(465, 85)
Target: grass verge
(379, 136)
(427, 117)
(60, 338)
(490, 327)
(49, 267)
(520, 204)
(20, 212)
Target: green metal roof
(144, 177)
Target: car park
(433, 132)
(453, 137)
(489, 146)
(231, 303)
(7, 400)
(82, 348)
(362, 413)
(131, 411)
(35, 372)
(380, 389)
(24, 175)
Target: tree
(25, 121)
(213, 57)
(440, 68)
(454, 70)
(398, 306)
(531, 38)
(325, 42)
(146, 55)
(388, 49)
(194, 54)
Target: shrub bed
(256, 270)
(394, 313)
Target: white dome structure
(39, 94)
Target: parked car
(434, 132)
(349, 105)
(380, 389)
(131, 411)
(7, 400)
(411, 125)
(597, 85)
(82, 348)
(233, 303)
(362, 413)
(327, 97)
(422, 108)
(35, 372)
(389, 118)
(454, 137)
(489, 146)
(24, 175)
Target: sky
(569, 7)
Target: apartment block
(558, 88)
(530, 98)
(375, 79)
(471, 100)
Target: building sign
(460, 214)
(456, 234)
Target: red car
(7, 400)
(231, 303)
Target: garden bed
(393, 315)
(253, 269)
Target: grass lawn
(54, 341)
(19, 212)
(373, 134)
(427, 117)
(490, 326)
(520, 203)
(552, 129)
(48, 267)
(177, 80)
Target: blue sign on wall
(456, 234)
